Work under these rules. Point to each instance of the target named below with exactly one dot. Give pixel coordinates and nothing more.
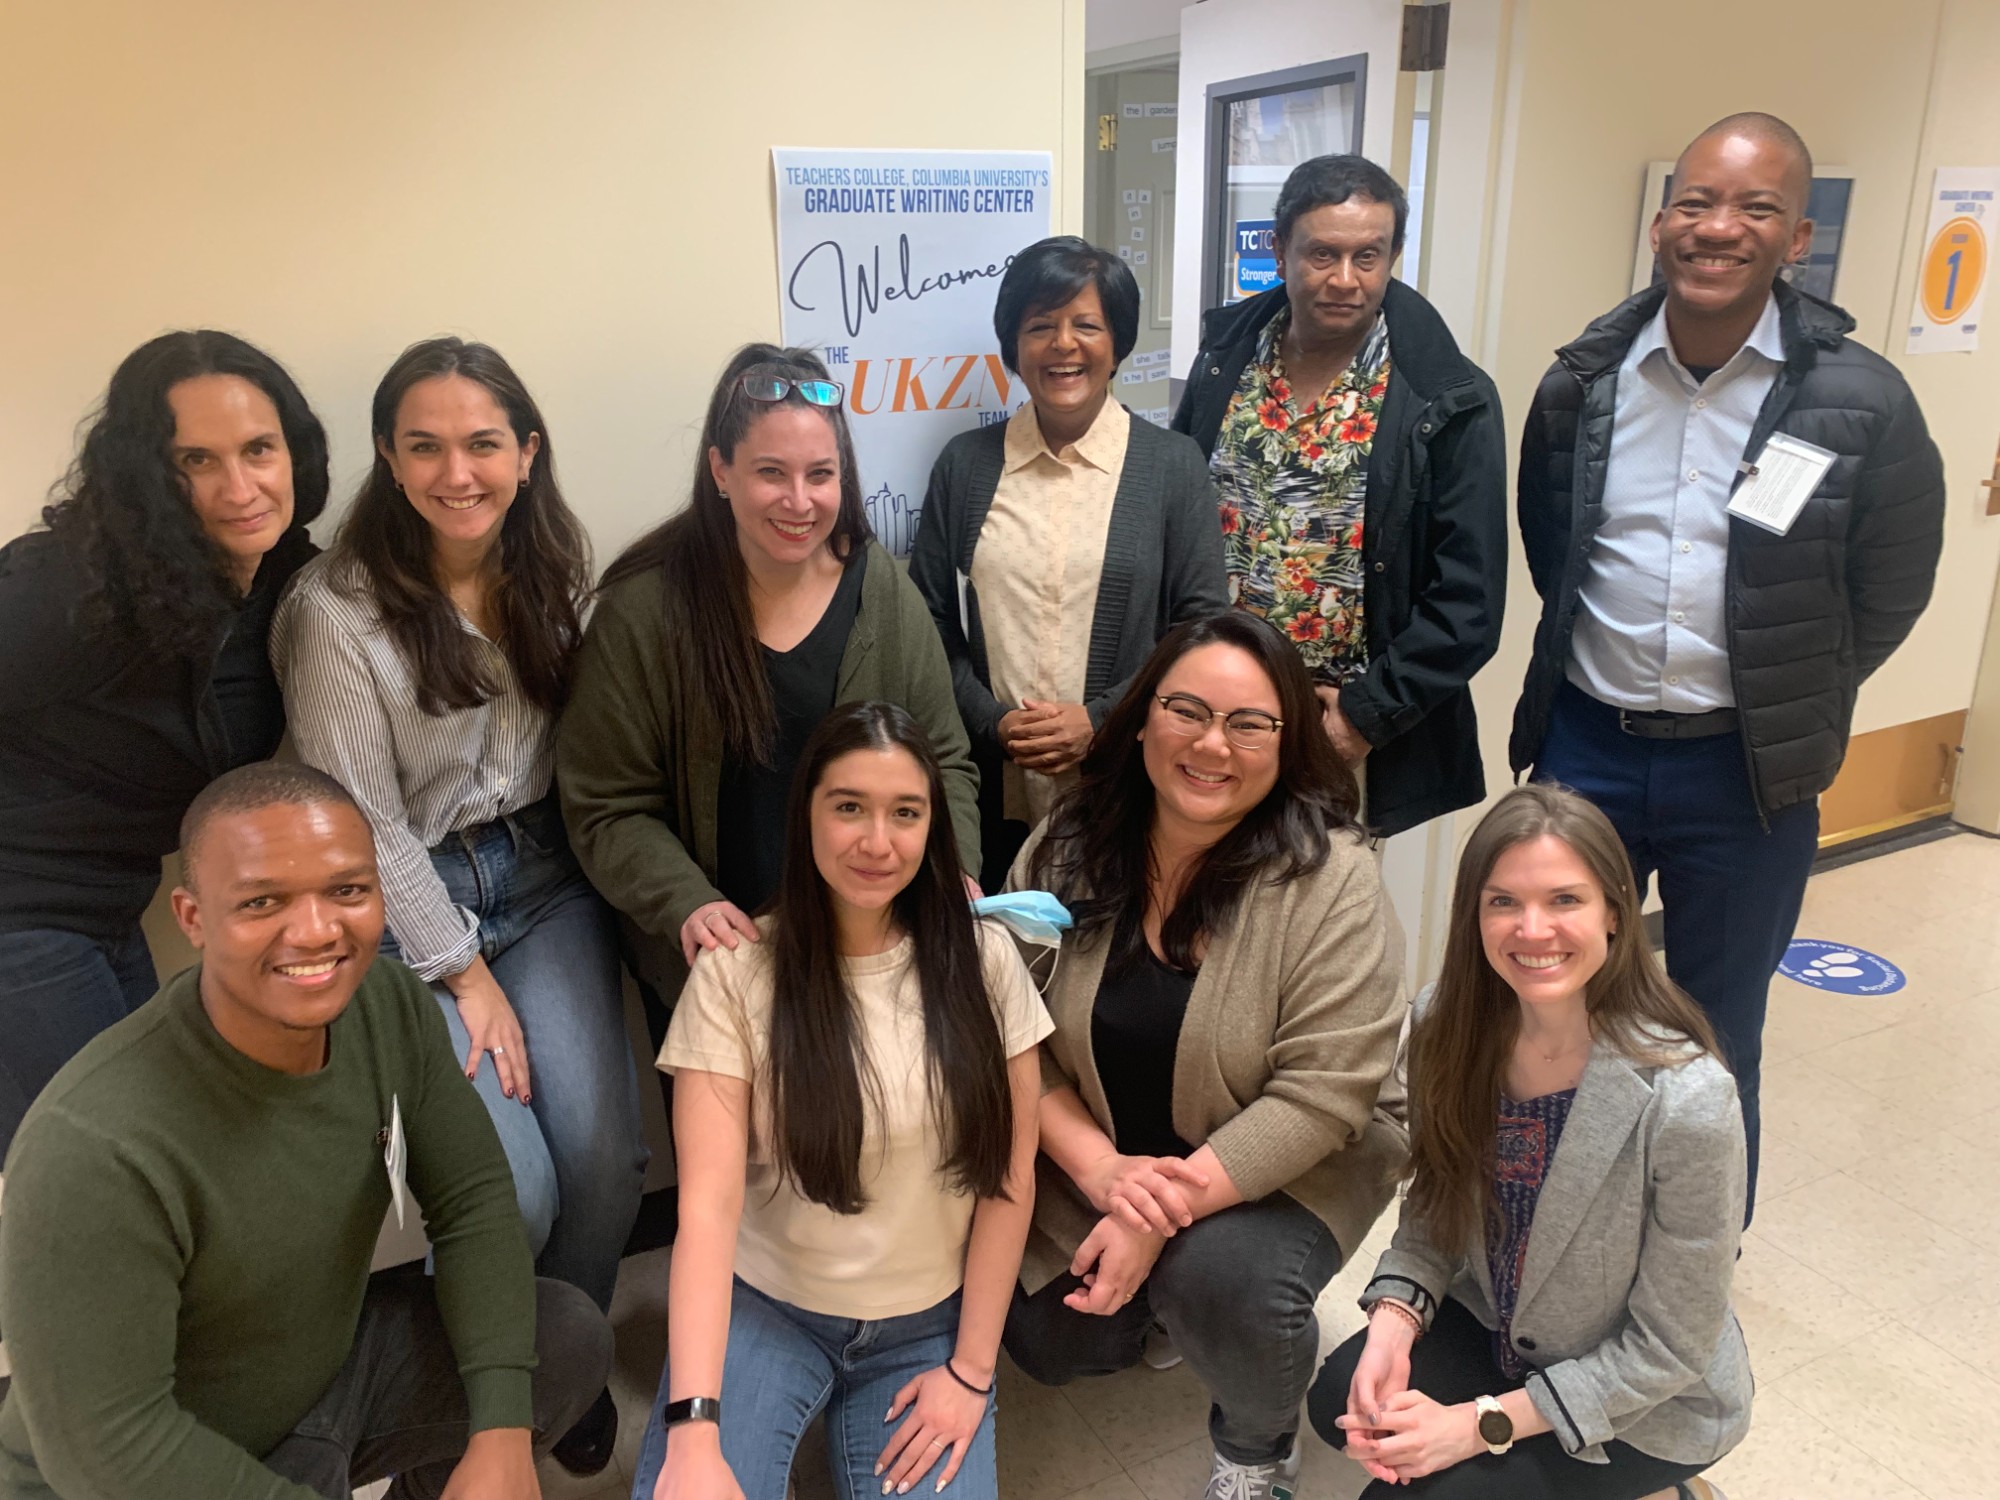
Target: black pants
(1453, 1363)
(1236, 1292)
(398, 1406)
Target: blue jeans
(57, 991)
(578, 1152)
(1730, 886)
(785, 1365)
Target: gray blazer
(1624, 1304)
(1162, 563)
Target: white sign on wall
(1957, 260)
(888, 264)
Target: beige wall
(586, 186)
(1596, 92)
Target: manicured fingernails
(888, 1485)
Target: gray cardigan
(1284, 1065)
(1162, 562)
(1624, 1304)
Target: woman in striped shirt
(423, 661)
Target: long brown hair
(818, 1063)
(1460, 1049)
(544, 552)
(707, 583)
(1097, 854)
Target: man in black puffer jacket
(1694, 673)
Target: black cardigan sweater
(104, 743)
(1162, 563)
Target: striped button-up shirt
(1651, 631)
(351, 705)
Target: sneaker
(586, 1448)
(1159, 1351)
(1234, 1481)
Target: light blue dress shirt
(1650, 627)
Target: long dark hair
(1097, 852)
(818, 1067)
(544, 552)
(1460, 1049)
(123, 509)
(707, 584)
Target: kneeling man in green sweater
(192, 1204)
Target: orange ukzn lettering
(976, 376)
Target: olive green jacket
(639, 750)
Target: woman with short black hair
(134, 671)
(1055, 550)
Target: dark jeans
(1730, 887)
(57, 991)
(1236, 1292)
(1452, 1364)
(578, 1151)
(398, 1406)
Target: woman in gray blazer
(1553, 1318)
(1056, 549)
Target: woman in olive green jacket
(720, 640)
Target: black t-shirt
(750, 801)
(1135, 1031)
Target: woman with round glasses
(721, 638)
(1055, 550)
(1227, 1008)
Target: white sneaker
(1234, 1481)
(1159, 1351)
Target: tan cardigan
(1285, 1055)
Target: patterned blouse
(1525, 1146)
(1293, 482)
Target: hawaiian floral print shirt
(1293, 480)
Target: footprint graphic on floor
(1840, 969)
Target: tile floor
(1869, 1285)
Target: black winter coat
(1810, 613)
(1433, 541)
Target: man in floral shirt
(1361, 468)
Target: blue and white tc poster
(888, 264)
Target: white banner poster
(1958, 250)
(888, 264)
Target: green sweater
(639, 750)
(186, 1238)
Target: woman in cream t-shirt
(855, 1122)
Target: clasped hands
(1045, 736)
(1395, 1433)
(1145, 1203)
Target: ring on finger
(497, 1051)
(937, 1442)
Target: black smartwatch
(694, 1409)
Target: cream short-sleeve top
(905, 1251)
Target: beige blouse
(1036, 567)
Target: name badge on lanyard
(1776, 487)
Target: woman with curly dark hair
(135, 671)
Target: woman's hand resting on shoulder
(1144, 1193)
(720, 924)
(1114, 1261)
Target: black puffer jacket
(1433, 539)
(1810, 613)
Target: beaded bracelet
(952, 1371)
(1402, 1310)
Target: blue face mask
(1032, 916)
